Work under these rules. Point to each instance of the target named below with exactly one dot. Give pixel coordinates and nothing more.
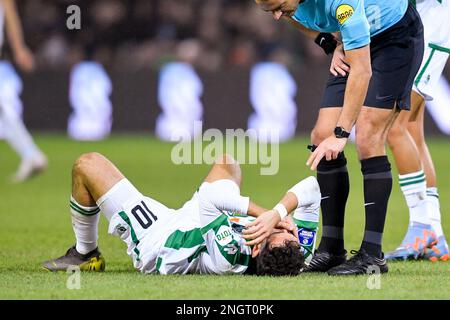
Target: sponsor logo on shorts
(224, 235)
(344, 12)
(121, 229)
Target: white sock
(85, 225)
(414, 189)
(434, 211)
(17, 135)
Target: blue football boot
(419, 238)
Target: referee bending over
(381, 44)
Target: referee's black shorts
(396, 55)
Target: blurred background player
(417, 175)
(15, 133)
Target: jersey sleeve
(226, 249)
(353, 23)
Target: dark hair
(285, 260)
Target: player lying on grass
(204, 236)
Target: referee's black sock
(334, 186)
(377, 189)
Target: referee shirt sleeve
(353, 23)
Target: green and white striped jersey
(206, 237)
(214, 249)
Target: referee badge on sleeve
(344, 12)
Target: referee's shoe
(323, 261)
(361, 263)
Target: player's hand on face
(338, 64)
(329, 148)
(288, 225)
(261, 228)
(24, 59)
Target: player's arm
(22, 54)
(226, 251)
(255, 210)
(263, 226)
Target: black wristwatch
(340, 133)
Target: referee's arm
(357, 85)
(355, 94)
(308, 32)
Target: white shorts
(436, 20)
(140, 221)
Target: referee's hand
(338, 65)
(329, 148)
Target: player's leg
(334, 185)
(92, 177)
(413, 185)
(226, 167)
(435, 16)
(33, 160)
(440, 251)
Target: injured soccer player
(205, 236)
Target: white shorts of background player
(10, 91)
(436, 20)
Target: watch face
(339, 132)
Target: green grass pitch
(35, 226)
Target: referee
(380, 45)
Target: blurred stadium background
(140, 69)
(152, 65)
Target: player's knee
(229, 168)
(226, 159)
(86, 161)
